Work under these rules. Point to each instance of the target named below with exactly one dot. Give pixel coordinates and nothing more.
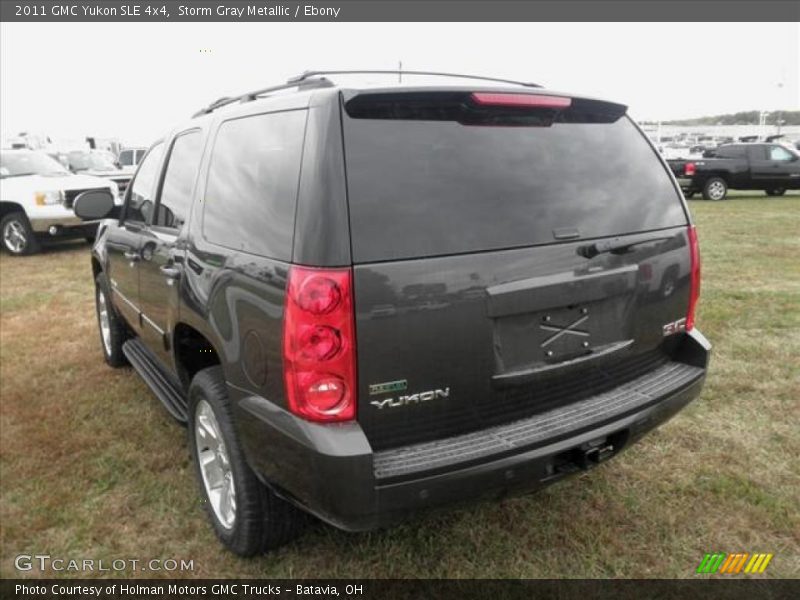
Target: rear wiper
(615, 246)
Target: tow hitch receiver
(595, 454)
(590, 454)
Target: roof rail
(304, 76)
(312, 79)
(303, 84)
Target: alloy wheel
(215, 466)
(105, 324)
(716, 190)
(14, 237)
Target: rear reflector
(694, 277)
(319, 353)
(689, 169)
(522, 100)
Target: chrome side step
(161, 383)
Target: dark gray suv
(369, 301)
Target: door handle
(131, 256)
(170, 272)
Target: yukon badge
(411, 399)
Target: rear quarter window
(251, 190)
(423, 188)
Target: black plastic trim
(162, 385)
(564, 421)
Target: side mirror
(94, 204)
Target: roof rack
(312, 79)
(304, 76)
(320, 82)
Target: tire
(113, 332)
(17, 235)
(246, 516)
(715, 189)
(775, 191)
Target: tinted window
(140, 203)
(778, 153)
(176, 191)
(423, 188)
(730, 152)
(756, 152)
(252, 184)
(126, 158)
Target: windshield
(17, 164)
(83, 160)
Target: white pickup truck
(36, 196)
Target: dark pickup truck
(770, 167)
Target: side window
(756, 153)
(730, 152)
(251, 191)
(140, 202)
(779, 153)
(176, 191)
(126, 158)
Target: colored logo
(732, 564)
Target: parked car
(36, 196)
(100, 164)
(773, 168)
(365, 302)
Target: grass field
(91, 466)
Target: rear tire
(775, 191)
(17, 235)
(247, 517)
(113, 332)
(715, 189)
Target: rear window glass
(436, 187)
(252, 184)
(729, 152)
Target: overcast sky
(135, 80)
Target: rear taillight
(689, 169)
(319, 346)
(694, 277)
(522, 100)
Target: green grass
(92, 466)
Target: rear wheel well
(6, 208)
(193, 352)
(717, 175)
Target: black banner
(366, 589)
(402, 10)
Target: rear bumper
(686, 183)
(332, 472)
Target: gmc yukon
(368, 301)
